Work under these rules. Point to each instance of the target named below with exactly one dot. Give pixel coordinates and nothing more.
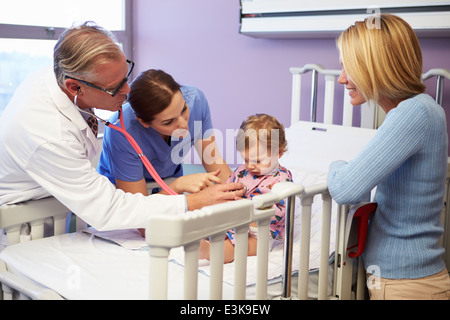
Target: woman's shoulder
(421, 105)
(191, 91)
(194, 96)
(419, 101)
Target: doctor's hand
(215, 194)
(193, 183)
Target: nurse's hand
(215, 194)
(193, 183)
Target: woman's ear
(143, 123)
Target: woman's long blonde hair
(384, 61)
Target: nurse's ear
(143, 123)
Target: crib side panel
(34, 213)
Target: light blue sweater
(407, 161)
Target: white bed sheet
(82, 266)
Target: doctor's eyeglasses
(114, 92)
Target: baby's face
(262, 162)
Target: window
(29, 31)
(62, 13)
(17, 61)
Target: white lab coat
(45, 149)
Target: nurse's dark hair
(81, 48)
(151, 92)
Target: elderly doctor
(46, 143)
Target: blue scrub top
(119, 160)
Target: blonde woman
(406, 161)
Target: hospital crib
(165, 233)
(182, 230)
(371, 116)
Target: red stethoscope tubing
(141, 155)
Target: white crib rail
(307, 199)
(35, 212)
(440, 75)
(166, 232)
(330, 80)
(330, 76)
(14, 287)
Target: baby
(261, 142)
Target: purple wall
(198, 42)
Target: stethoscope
(133, 143)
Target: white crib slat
(343, 270)
(313, 108)
(325, 247)
(191, 271)
(304, 248)
(159, 272)
(240, 260)
(361, 282)
(12, 235)
(8, 293)
(262, 256)
(216, 262)
(288, 247)
(59, 226)
(329, 99)
(37, 229)
(347, 110)
(296, 96)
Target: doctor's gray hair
(81, 48)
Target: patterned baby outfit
(256, 185)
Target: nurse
(166, 119)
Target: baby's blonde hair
(384, 61)
(258, 127)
